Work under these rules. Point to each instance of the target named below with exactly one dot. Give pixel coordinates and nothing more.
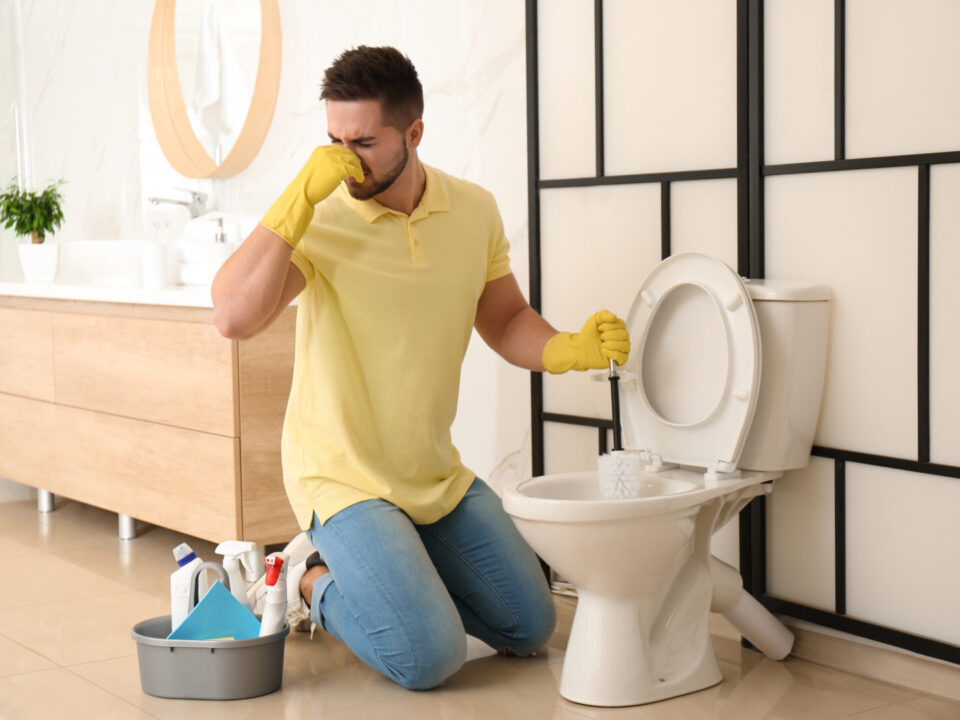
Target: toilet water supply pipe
(753, 620)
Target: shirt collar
(434, 200)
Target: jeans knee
(536, 629)
(431, 661)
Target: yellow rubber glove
(328, 166)
(602, 337)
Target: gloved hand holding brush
(328, 166)
(602, 337)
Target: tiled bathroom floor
(72, 591)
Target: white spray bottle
(275, 608)
(234, 553)
(180, 583)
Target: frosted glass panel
(569, 448)
(857, 233)
(703, 218)
(902, 540)
(597, 245)
(800, 536)
(944, 301)
(798, 81)
(902, 64)
(567, 89)
(670, 85)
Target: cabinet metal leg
(128, 527)
(45, 501)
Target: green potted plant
(34, 215)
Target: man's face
(382, 149)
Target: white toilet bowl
(642, 570)
(690, 390)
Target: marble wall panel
(798, 52)
(565, 48)
(801, 536)
(703, 218)
(856, 232)
(670, 85)
(902, 63)
(944, 301)
(902, 535)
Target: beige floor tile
(921, 708)
(52, 579)
(71, 526)
(334, 684)
(81, 630)
(142, 564)
(16, 659)
(59, 693)
(834, 694)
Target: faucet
(197, 205)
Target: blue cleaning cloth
(218, 614)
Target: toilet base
(610, 661)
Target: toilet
(720, 396)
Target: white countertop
(182, 295)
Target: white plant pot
(38, 261)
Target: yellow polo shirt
(382, 327)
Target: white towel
(220, 97)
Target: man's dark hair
(377, 73)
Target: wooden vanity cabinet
(148, 411)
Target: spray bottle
(234, 553)
(275, 608)
(180, 583)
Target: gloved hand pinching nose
(328, 166)
(602, 337)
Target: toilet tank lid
(786, 290)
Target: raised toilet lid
(696, 357)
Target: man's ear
(415, 133)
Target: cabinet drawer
(26, 353)
(26, 442)
(179, 479)
(176, 373)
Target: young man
(394, 263)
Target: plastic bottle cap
(184, 554)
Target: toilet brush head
(619, 474)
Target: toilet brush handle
(615, 404)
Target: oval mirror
(214, 73)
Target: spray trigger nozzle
(274, 565)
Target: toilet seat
(696, 363)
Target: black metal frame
(750, 173)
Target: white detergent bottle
(275, 607)
(235, 552)
(180, 583)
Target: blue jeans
(403, 597)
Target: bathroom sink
(102, 263)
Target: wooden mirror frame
(179, 142)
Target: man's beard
(363, 192)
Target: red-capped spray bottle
(275, 606)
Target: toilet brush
(615, 404)
(618, 472)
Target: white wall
(85, 69)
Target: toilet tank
(794, 319)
